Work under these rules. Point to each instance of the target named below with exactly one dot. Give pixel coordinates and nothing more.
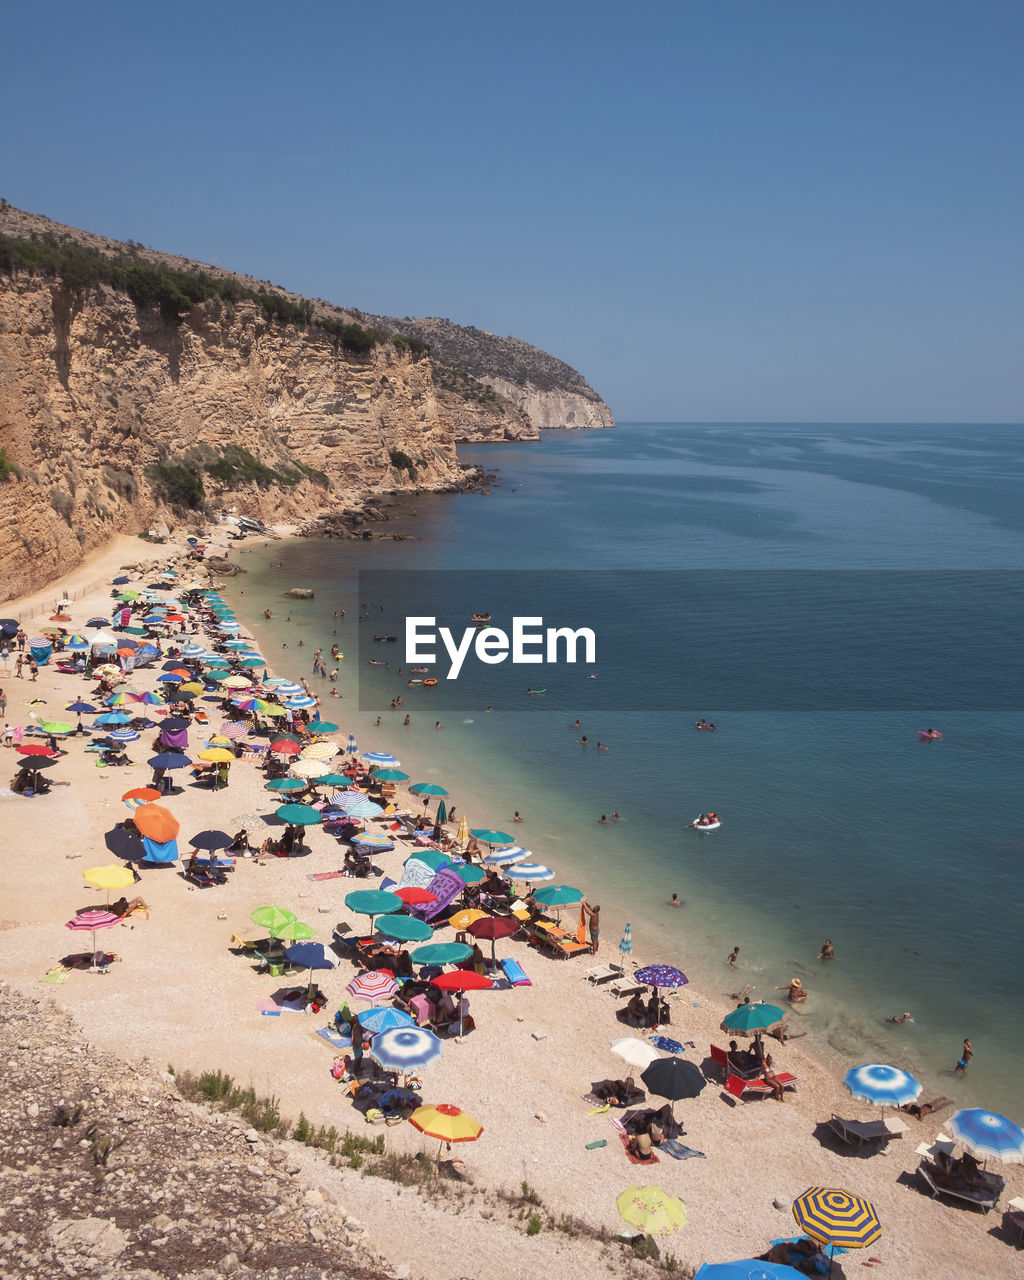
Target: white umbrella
(508, 856)
(531, 871)
(638, 1053)
(310, 768)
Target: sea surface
(837, 824)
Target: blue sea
(837, 824)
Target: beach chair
(721, 1060)
(860, 1131)
(623, 988)
(760, 1088)
(985, 1196)
(599, 973)
(555, 941)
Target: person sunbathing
(803, 1254)
(640, 1145)
(614, 1091)
(771, 1079)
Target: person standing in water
(964, 1061)
(731, 957)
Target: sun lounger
(721, 1059)
(738, 1087)
(986, 1196)
(599, 973)
(555, 941)
(861, 1131)
(623, 988)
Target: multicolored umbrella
(93, 919)
(124, 735)
(320, 751)
(988, 1135)
(405, 1048)
(884, 1085)
(374, 985)
(837, 1218)
(366, 841)
(651, 1210)
(661, 975)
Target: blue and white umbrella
(77, 643)
(235, 644)
(193, 651)
(300, 703)
(405, 1048)
(287, 689)
(352, 747)
(884, 1085)
(508, 856)
(361, 808)
(380, 758)
(626, 945)
(531, 871)
(384, 1018)
(988, 1135)
(124, 735)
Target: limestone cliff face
(94, 390)
(553, 409)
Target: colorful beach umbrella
(374, 985)
(382, 758)
(507, 856)
(660, 975)
(56, 727)
(113, 876)
(837, 1217)
(309, 768)
(405, 1048)
(651, 1210)
(626, 943)
(156, 822)
(124, 735)
(988, 1135)
(368, 841)
(217, 755)
(378, 1020)
(882, 1084)
(320, 751)
(293, 931)
(446, 1123)
(139, 796)
(532, 872)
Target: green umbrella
(433, 858)
(55, 726)
(322, 726)
(468, 874)
(442, 813)
(389, 775)
(405, 929)
(128, 596)
(492, 837)
(331, 780)
(558, 895)
(299, 815)
(293, 931)
(272, 918)
(427, 789)
(286, 784)
(373, 902)
(441, 953)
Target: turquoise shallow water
(838, 824)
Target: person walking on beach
(594, 914)
(731, 957)
(33, 667)
(19, 665)
(964, 1061)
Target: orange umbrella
(138, 796)
(158, 823)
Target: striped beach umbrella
(352, 746)
(93, 919)
(309, 768)
(285, 688)
(626, 945)
(124, 735)
(319, 751)
(446, 1123)
(382, 758)
(300, 703)
(405, 1048)
(988, 1135)
(884, 1085)
(377, 1020)
(368, 841)
(360, 807)
(837, 1218)
(530, 871)
(374, 985)
(507, 856)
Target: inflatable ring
(430, 681)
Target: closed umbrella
(374, 985)
(626, 944)
(352, 746)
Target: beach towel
(58, 974)
(160, 851)
(514, 972)
(333, 1038)
(324, 875)
(679, 1152)
(270, 1008)
(651, 1159)
(446, 886)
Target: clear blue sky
(715, 209)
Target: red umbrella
(34, 749)
(462, 980)
(92, 919)
(412, 894)
(494, 927)
(285, 747)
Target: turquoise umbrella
(442, 812)
(753, 1019)
(286, 784)
(390, 775)
(299, 815)
(373, 902)
(441, 953)
(405, 929)
(330, 780)
(558, 895)
(322, 726)
(427, 789)
(492, 837)
(468, 874)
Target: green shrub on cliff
(177, 485)
(7, 469)
(402, 462)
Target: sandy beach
(178, 996)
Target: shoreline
(546, 1074)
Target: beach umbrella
(638, 1053)
(413, 895)
(139, 796)
(309, 768)
(463, 919)
(211, 840)
(361, 807)
(446, 1123)
(462, 832)
(322, 726)
(286, 784)
(56, 727)
(37, 749)
(461, 980)
(149, 699)
(80, 708)
(169, 760)
(374, 985)
(172, 677)
(530, 871)
(746, 1269)
(373, 902)
(382, 758)
(837, 1218)
(388, 775)
(652, 1211)
(508, 856)
(626, 944)
(120, 582)
(429, 789)
(285, 747)
(377, 1020)
(441, 953)
(285, 688)
(253, 660)
(494, 927)
(330, 780)
(401, 928)
(98, 622)
(78, 643)
(113, 876)
(442, 812)
(468, 874)
(235, 730)
(116, 700)
(156, 822)
(269, 708)
(352, 746)
(405, 1048)
(113, 717)
(217, 755)
(660, 975)
(320, 751)
(299, 815)
(673, 1078)
(491, 837)
(310, 955)
(293, 931)
(37, 761)
(300, 703)
(235, 682)
(988, 1135)
(882, 1084)
(271, 918)
(752, 1019)
(124, 735)
(559, 895)
(383, 843)
(93, 919)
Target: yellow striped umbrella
(837, 1218)
(320, 751)
(462, 835)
